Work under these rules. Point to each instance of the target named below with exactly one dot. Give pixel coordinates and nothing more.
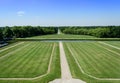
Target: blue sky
(59, 12)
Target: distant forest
(97, 31)
(7, 33)
(28, 31)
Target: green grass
(115, 43)
(66, 37)
(62, 36)
(31, 61)
(10, 48)
(9, 45)
(95, 60)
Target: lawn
(91, 61)
(98, 62)
(30, 60)
(9, 48)
(115, 43)
(66, 37)
(62, 36)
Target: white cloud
(20, 13)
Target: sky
(59, 12)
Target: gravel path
(66, 74)
(65, 71)
(58, 31)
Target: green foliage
(115, 32)
(7, 32)
(28, 31)
(25, 31)
(1, 34)
(101, 32)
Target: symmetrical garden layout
(39, 62)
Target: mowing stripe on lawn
(109, 45)
(109, 50)
(28, 62)
(114, 43)
(85, 72)
(49, 66)
(48, 71)
(8, 54)
(11, 46)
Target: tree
(7, 32)
(1, 35)
(16, 31)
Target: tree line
(97, 31)
(28, 31)
(24, 31)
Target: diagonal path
(65, 71)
